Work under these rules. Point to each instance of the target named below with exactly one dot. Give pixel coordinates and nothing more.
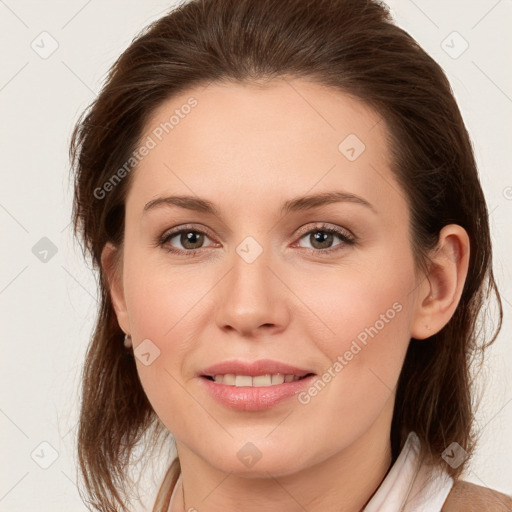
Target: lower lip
(248, 398)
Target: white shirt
(406, 487)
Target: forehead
(284, 138)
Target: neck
(344, 482)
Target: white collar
(409, 487)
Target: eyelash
(346, 238)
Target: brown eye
(191, 239)
(186, 241)
(322, 238)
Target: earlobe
(111, 263)
(442, 288)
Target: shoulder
(469, 497)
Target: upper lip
(253, 368)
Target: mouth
(257, 392)
(254, 385)
(255, 381)
(257, 374)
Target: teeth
(230, 379)
(257, 381)
(277, 379)
(243, 380)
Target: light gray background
(48, 307)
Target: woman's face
(261, 276)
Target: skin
(248, 149)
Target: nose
(251, 300)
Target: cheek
(366, 353)
(362, 324)
(357, 303)
(166, 306)
(161, 297)
(369, 337)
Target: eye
(321, 239)
(191, 239)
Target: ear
(112, 264)
(441, 289)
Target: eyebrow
(292, 205)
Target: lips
(239, 385)
(253, 368)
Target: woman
(293, 248)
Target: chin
(251, 462)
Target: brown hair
(350, 45)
